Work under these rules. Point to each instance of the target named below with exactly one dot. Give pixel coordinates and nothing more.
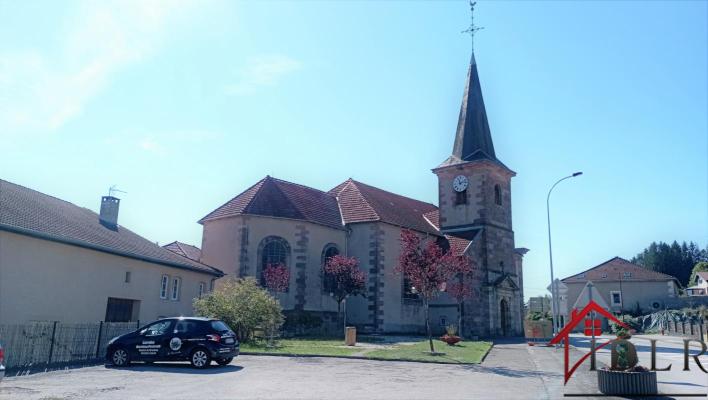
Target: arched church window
(328, 282)
(273, 250)
(497, 195)
(461, 197)
(409, 292)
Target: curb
(489, 350)
(248, 353)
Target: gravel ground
(513, 371)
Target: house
(620, 286)
(701, 286)
(62, 262)
(280, 222)
(540, 304)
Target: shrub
(243, 305)
(632, 322)
(299, 322)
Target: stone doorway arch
(504, 317)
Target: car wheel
(224, 361)
(200, 358)
(120, 357)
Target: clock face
(459, 184)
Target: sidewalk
(540, 372)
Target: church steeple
(473, 140)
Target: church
(275, 221)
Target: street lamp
(554, 295)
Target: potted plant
(450, 337)
(624, 377)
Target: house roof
(703, 275)
(278, 198)
(615, 269)
(360, 202)
(185, 250)
(29, 212)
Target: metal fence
(45, 343)
(696, 328)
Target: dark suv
(197, 340)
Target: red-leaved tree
(276, 278)
(459, 291)
(346, 280)
(428, 268)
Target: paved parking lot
(512, 371)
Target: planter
(450, 340)
(627, 383)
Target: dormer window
(604, 275)
(497, 195)
(627, 274)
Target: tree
(428, 268)
(276, 277)
(699, 267)
(243, 305)
(460, 291)
(674, 259)
(347, 280)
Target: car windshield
(156, 329)
(219, 326)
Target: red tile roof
(615, 269)
(28, 212)
(457, 244)
(185, 250)
(360, 202)
(277, 198)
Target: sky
(183, 105)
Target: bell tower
(474, 197)
(474, 187)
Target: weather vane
(473, 28)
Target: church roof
(28, 212)
(618, 269)
(278, 198)
(457, 244)
(184, 250)
(473, 139)
(360, 202)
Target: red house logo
(592, 327)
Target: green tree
(674, 259)
(243, 305)
(699, 267)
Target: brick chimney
(109, 212)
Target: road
(669, 351)
(511, 371)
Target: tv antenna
(114, 189)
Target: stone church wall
(233, 244)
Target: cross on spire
(472, 28)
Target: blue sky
(185, 104)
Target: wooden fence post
(51, 344)
(98, 342)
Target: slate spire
(473, 140)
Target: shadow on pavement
(511, 373)
(178, 368)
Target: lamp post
(554, 295)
